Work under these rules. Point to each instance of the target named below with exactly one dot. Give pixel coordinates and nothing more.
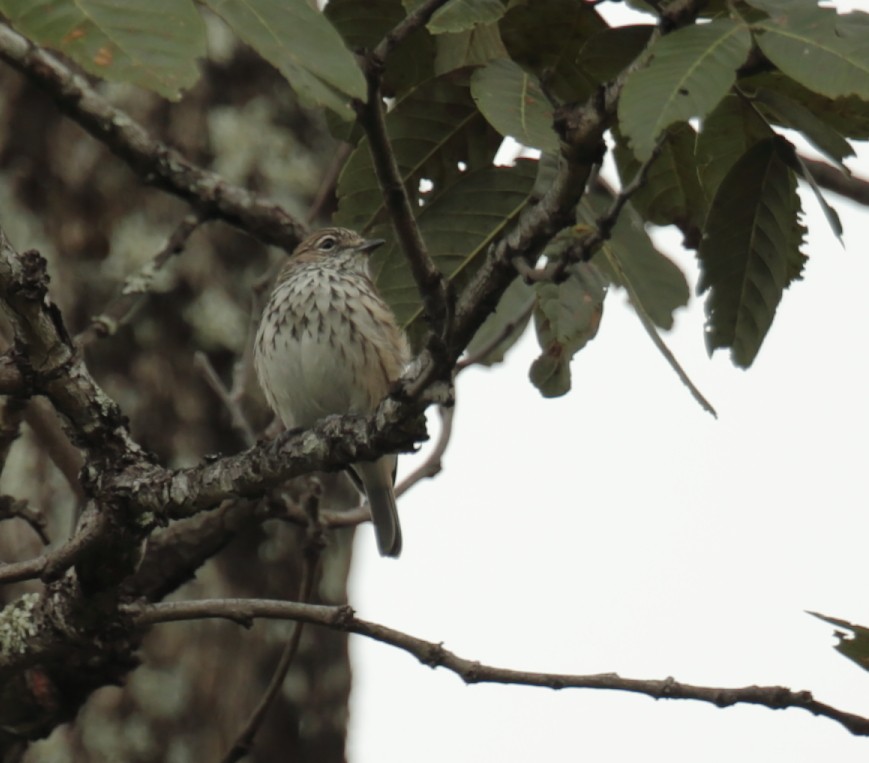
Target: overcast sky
(621, 528)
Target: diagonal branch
(470, 671)
(407, 26)
(155, 162)
(833, 179)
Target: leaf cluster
(701, 111)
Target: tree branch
(833, 179)
(412, 22)
(471, 672)
(156, 163)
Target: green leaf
(301, 43)
(725, 135)
(750, 250)
(608, 53)
(363, 26)
(462, 15)
(458, 226)
(854, 645)
(514, 104)
(151, 43)
(566, 317)
(546, 37)
(432, 130)
(659, 286)
(502, 329)
(818, 48)
(474, 47)
(690, 71)
(791, 113)
(672, 194)
(848, 116)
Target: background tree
(396, 141)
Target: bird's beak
(369, 245)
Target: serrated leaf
(607, 54)
(461, 15)
(818, 48)
(546, 36)
(750, 250)
(432, 130)
(514, 104)
(659, 285)
(474, 47)
(790, 113)
(363, 26)
(566, 317)
(458, 226)
(299, 42)
(690, 71)
(150, 43)
(502, 329)
(726, 134)
(671, 194)
(853, 645)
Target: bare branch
(12, 508)
(472, 672)
(230, 402)
(156, 163)
(137, 286)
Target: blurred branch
(408, 25)
(137, 286)
(833, 179)
(243, 743)
(12, 508)
(230, 401)
(11, 415)
(155, 162)
(434, 655)
(505, 333)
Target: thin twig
(137, 286)
(413, 21)
(239, 420)
(327, 185)
(430, 282)
(244, 740)
(586, 245)
(833, 179)
(506, 332)
(11, 415)
(155, 162)
(435, 655)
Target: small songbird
(329, 344)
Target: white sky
(621, 528)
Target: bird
(328, 343)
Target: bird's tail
(377, 479)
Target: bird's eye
(327, 243)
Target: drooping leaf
(461, 15)
(566, 317)
(726, 134)
(458, 226)
(818, 48)
(502, 329)
(546, 37)
(473, 47)
(848, 116)
(788, 112)
(659, 285)
(364, 26)
(671, 194)
(750, 250)
(854, 645)
(151, 43)
(690, 71)
(300, 42)
(432, 130)
(514, 104)
(607, 54)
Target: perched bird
(328, 343)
